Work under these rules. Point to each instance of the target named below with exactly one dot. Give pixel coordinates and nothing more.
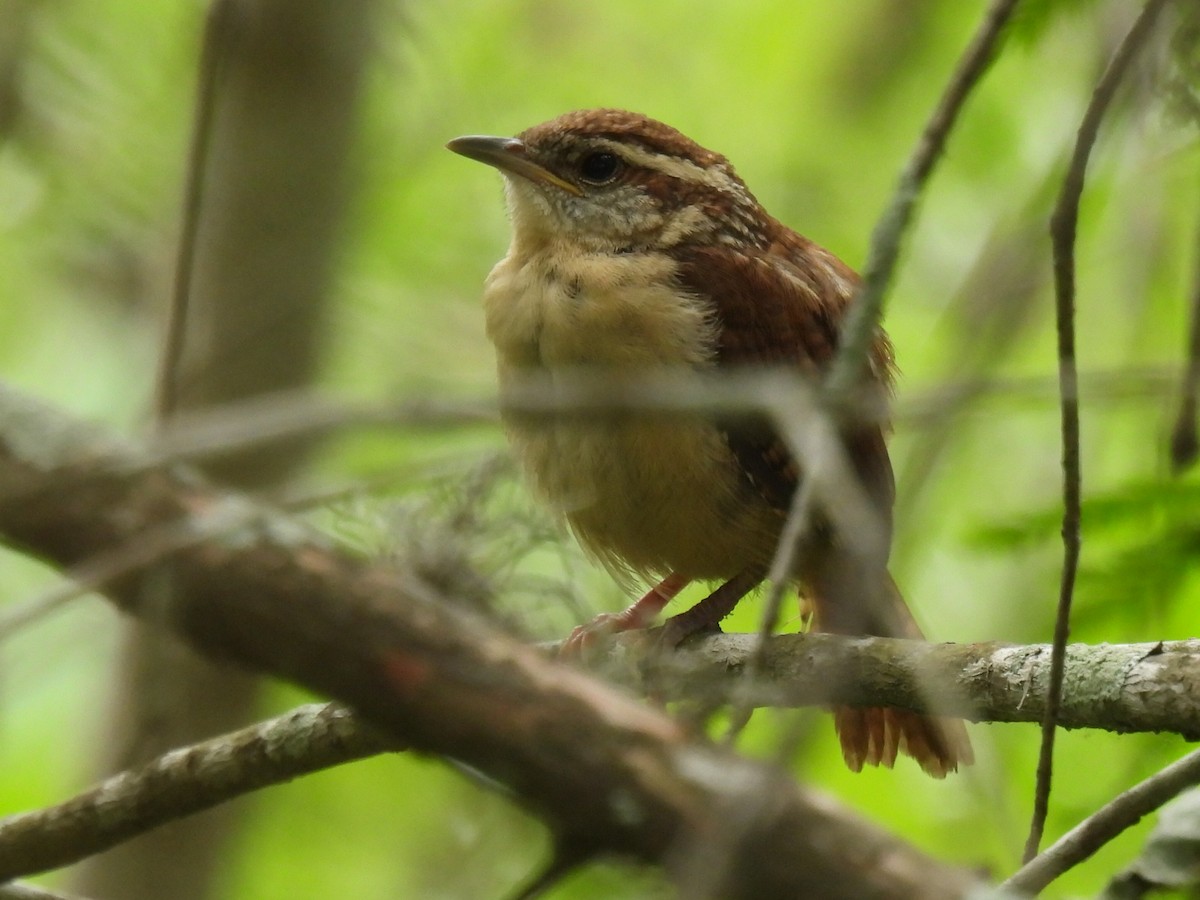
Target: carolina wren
(634, 248)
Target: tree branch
(1185, 443)
(183, 782)
(605, 773)
(21, 891)
(1063, 224)
(273, 595)
(287, 415)
(1110, 820)
(862, 318)
(1115, 687)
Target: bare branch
(1115, 687)
(1102, 826)
(1062, 230)
(183, 782)
(217, 33)
(862, 318)
(97, 572)
(796, 530)
(607, 774)
(1185, 445)
(16, 890)
(269, 418)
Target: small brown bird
(634, 248)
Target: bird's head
(613, 181)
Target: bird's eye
(599, 167)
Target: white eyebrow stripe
(716, 177)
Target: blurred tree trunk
(271, 200)
(16, 17)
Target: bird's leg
(709, 612)
(637, 615)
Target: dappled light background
(817, 104)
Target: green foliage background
(818, 104)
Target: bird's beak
(510, 156)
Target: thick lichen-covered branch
(1114, 687)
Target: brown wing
(783, 306)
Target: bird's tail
(876, 735)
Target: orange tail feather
(874, 736)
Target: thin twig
(1063, 225)
(795, 532)
(1185, 445)
(155, 546)
(216, 32)
(19, 890)
(185, 781)
(242, 425)
(105, 568)
(1102, 826)
(1107, 387)
(862, 318)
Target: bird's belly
(650, 497)
(642, 495)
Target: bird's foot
(637, 616)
